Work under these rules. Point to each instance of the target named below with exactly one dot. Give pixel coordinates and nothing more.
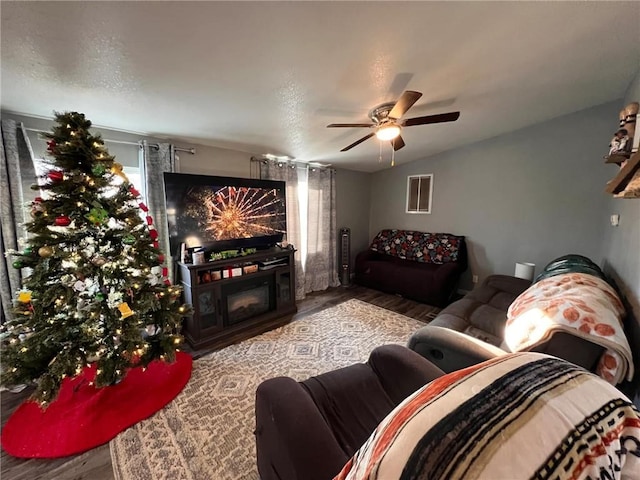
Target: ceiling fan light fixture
(387, 121)
(388, 132)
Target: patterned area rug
(207, 431)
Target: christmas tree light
(96, 289)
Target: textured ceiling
(269, 76)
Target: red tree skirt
(83, 419)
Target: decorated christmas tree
(95, 288)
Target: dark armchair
(338, 411)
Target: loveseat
(565, 311)
(420, 266)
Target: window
(419, 193)
(42, 167)
(135, 178)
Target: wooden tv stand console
(228, 307)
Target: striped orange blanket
(522, 415)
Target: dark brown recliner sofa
(471, 330)
(420, 266)
(308, 430)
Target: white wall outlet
(615, 220)
(474, 279)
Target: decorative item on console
(198, 257)
(619, 142)
(250, 268)
(625, 141)
(207, 276)
(631, 114)
(283, 243)
(233, 271)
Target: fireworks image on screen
(226, 213)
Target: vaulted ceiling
(267, 77)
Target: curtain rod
(292, 163)
(192, 151)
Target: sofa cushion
(474, 318)
(499, 291)
(351, 400)
(480, 422)
(482, 313)
(436, 248)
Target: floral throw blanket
(518, 416)
(436, 248)
(579, 304)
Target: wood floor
(96, 463)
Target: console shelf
(232, 301)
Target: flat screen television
(223, 213)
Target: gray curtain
(321, 265)
(155, 159)
(17, 174)
(315, 240)
(272, 170)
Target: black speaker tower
(345, 257)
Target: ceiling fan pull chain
(393, 156)
(380, 155)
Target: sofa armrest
(388, 360)
(449, 273)
(445, 281)
(283, 448)
(450, 350)
(361, 259)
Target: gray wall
(216, 161)
(352, 207)
(621, 252)
(531, 195)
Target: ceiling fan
(387, 124)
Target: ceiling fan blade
(358, 142)
(397, 143)
(404, 103)
(439, 118)
(344, 125)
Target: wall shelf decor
(616, 158)
(623, 151)
(620, 182)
